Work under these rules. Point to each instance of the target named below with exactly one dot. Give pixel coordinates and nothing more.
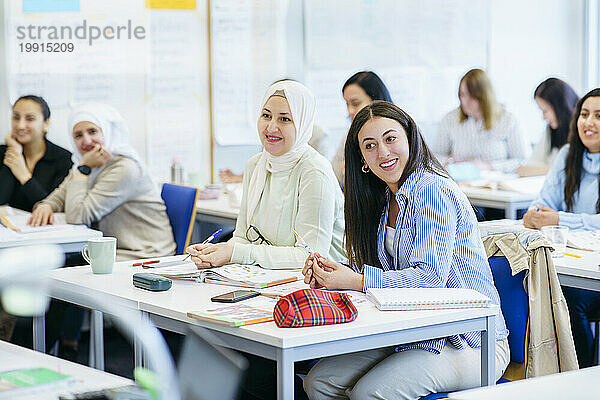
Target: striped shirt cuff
(372, 277)
(569, 220)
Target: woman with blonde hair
(481, 130)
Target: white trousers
(409, 374)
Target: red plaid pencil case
(310, 307)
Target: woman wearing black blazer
(32, 166)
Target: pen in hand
(306, 247)
(301, 242)
(208, 240)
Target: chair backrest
(514, 303)
(181, 210)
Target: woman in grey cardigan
(109, 188)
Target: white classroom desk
(84, 378)
(372, 328)
(579, 384)
(505, 200)
(217, 211)
(70, 240)
(582, 273)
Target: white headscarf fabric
(114, 129)
(302, 106)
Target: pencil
(572, 255)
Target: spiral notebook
(406, 299)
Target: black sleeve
(7, 180)
(62, 170)
(36, 192)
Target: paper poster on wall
(248, 54)
(172, 4)
(177, 104)
(157, 63)
(428, 45)
(31, 6)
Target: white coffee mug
(100, 254)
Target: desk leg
(510, 212)
(488, 352)
(39, 333)
(285, 376)
(139, 358)
(96, 340)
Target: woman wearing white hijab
(108, 187)
(288, 186)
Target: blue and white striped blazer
(437, 244)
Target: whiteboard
(158, 83)
(168, 85)
(419, 48)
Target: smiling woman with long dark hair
(407, 225)
(571, 197)
(32, 166)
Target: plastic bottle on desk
(176, 172)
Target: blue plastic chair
(181, 210)
(514, 303)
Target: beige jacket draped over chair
(550, 342)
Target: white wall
(531, 41)
(4, 106)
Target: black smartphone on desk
(235, 296)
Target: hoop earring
(364, 169)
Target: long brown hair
(480, 87)
(574, 160)
(562, 98)
(364, 194)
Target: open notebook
(250, 276)
(406, 299)
(18, 223)
(584, 240)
